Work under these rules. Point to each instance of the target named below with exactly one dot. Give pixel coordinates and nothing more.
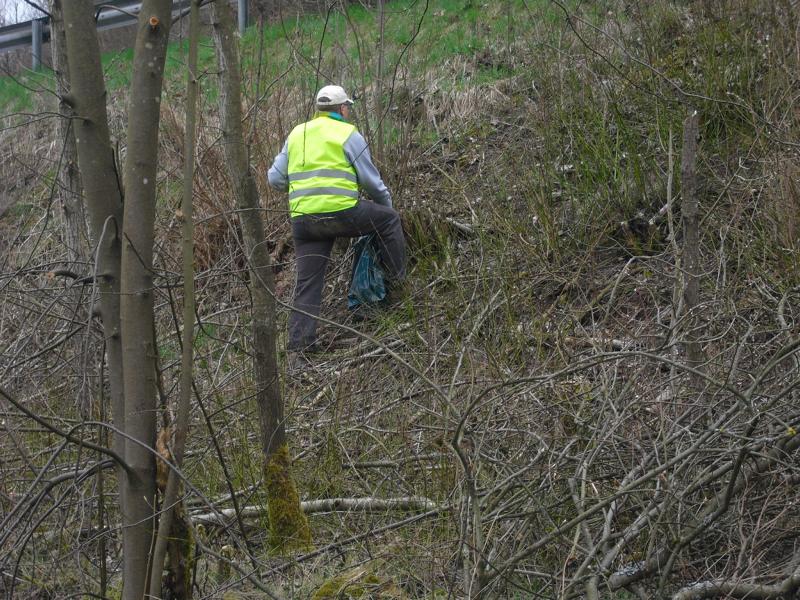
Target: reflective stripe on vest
(350, 176)
(321, 179)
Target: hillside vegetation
(548, 414)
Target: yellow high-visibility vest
(321, 179)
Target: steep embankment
(560, 418)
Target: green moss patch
(288, 525)
(361, 582)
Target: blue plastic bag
(368, 285)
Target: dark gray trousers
(314, 236)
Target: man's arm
(277, 174)
(357, 152)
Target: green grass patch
(17, 92)
(298, 50)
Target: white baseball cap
(332, 95)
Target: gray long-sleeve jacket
(357, 153)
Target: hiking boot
(396, 293)
(338, 340)
(365, 312)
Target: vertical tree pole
(136, 307)
(288, 524)
(691, 238)
(379, 90)
(101, 188)
(75, 47)
(69, 178)
(124, 278)
(171, 514)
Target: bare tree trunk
(100, 185)
(379, 90)
(691, 237)
(136, 307)
(69, 178)
(173, 527)
(289, 526)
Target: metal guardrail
(109, 14)
(15, 36)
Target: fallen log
(404, 503)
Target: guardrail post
(36, 44)
(242, 15)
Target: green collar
(331, 115)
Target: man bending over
(322, 165)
